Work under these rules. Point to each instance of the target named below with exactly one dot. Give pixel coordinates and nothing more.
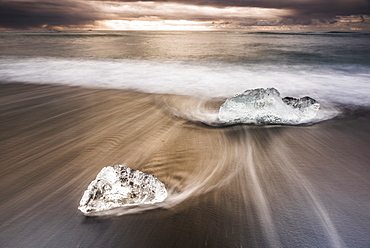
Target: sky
(341, 15)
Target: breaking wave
(202, 87)
(339, 84)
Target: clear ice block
(120, 186)
(265, 106)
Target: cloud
(24, 14)
(327, 7)
(33, 14)
(300, 11)
(172, 11)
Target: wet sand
(239, 186)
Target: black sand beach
(238, 186)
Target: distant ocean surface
(328, 66)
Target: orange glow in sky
(152, 25)
(173, 16)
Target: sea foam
(348, 85)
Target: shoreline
(231, 186)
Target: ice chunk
(265, 106)
(121, 186)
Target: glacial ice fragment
(265, 106)
(120, 186)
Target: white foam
(201, 79)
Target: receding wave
(236, 157)
(272, 186)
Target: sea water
(327, 66)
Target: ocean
(73, 102)
(330, 66)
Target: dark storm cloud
(28, 14)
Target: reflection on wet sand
(238, 186)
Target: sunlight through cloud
(171, 16)
(153, 25)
